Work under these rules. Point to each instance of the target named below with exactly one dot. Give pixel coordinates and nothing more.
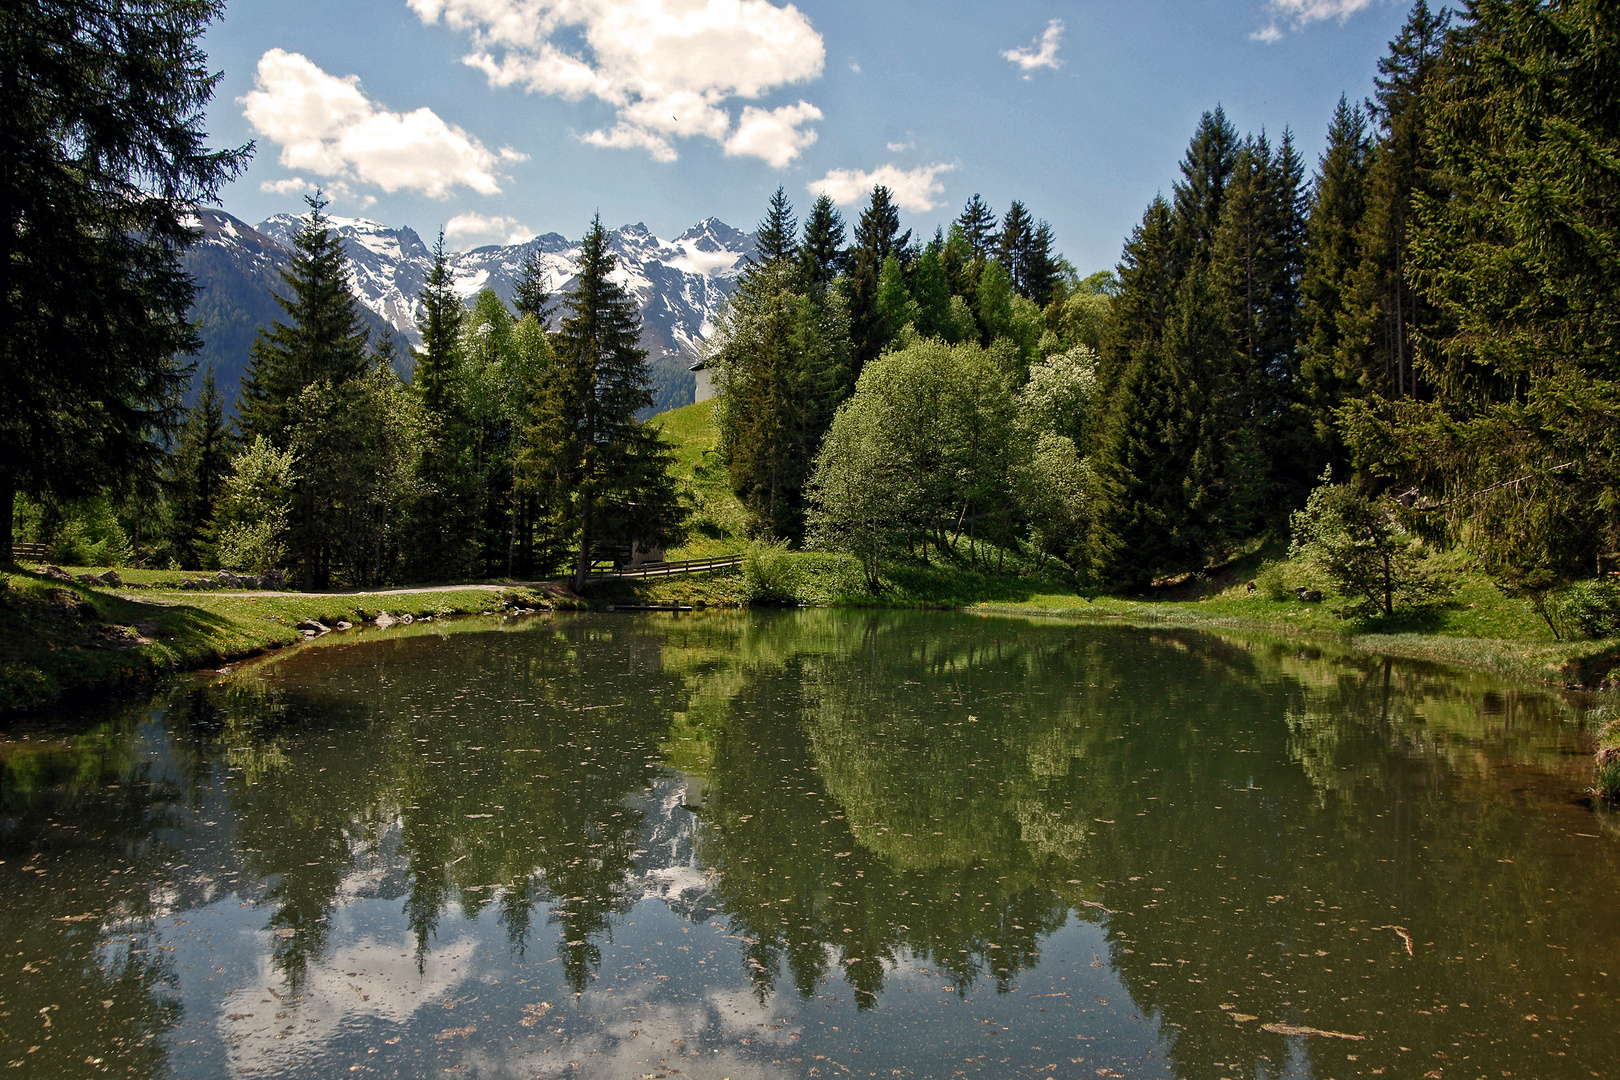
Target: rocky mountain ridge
(678, 284)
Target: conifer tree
(978, 224)
(442, 541)
(1147, 289)
(302, 369)
(778, 233)
(1210, 158)
(102, 158)
(821, 254)
(1012, 246)
(197, 471)
(779, 358)
(1338, 200)
(601, 472)
(931, 290)
(323, 339)
(1384, 314)
(529, 295)
(877, 237)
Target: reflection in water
(811, 843)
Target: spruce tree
(1147, 289)
(197, 471)
(442, 542)
(1210, 158)
(931, 289)
(529, 295)
(102, 158)
(309, 361)
(1012, 246)
(601, 472)
(778, 233)
(323, 339)
(779, 358)
(978, 224)
(1384, 314)
(877, 237)
(1338, 200)
(821, 254)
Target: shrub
(769, 575)
(1589, 609)
(1360, 545)
(1272, 582)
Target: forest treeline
(1413, 347)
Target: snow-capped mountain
(679, 284)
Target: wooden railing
(31, 552)
(670, 569)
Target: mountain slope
(678, 284)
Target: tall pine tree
(821, 254)
(601, 472)
(877, 237)
(442, 536)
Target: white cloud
(901, 147)
(775, 135)
(670, 68)
(1044, 52)
(293, 185)
(912, 189)
(471, 229)
(1301, 13)
(327, 126)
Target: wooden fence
(671, 569)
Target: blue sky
(506, 118)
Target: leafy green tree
(821, 253)
(896, 310)
(357, 444)
(197, 471)
(927, 443)
(600, 472)
(102, 156)
(1360, 545)
(255, 506)
(1054, 488)
(931, 291)
(779, 357)
(1060, 395)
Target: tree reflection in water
(1248, 822)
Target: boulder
(385, 620)
(271, 579)
(407, 619)
(86, 612)
(310, 626)
(1309, 596)
(56, 573)
(228, 580)
(147, 629)
(111, 579)
(88, 579)
(343, 624)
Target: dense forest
(1410, 348)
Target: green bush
(769, 574)
(1362, 548)
(90, 535)
(1588, 609)
(1273, 582)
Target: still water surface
(817, 843)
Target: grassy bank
(60, 640)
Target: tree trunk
(582, 568)
(1389, 589)
(8, 504)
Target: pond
(811, 844)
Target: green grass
(718, 518)
(48, 651)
